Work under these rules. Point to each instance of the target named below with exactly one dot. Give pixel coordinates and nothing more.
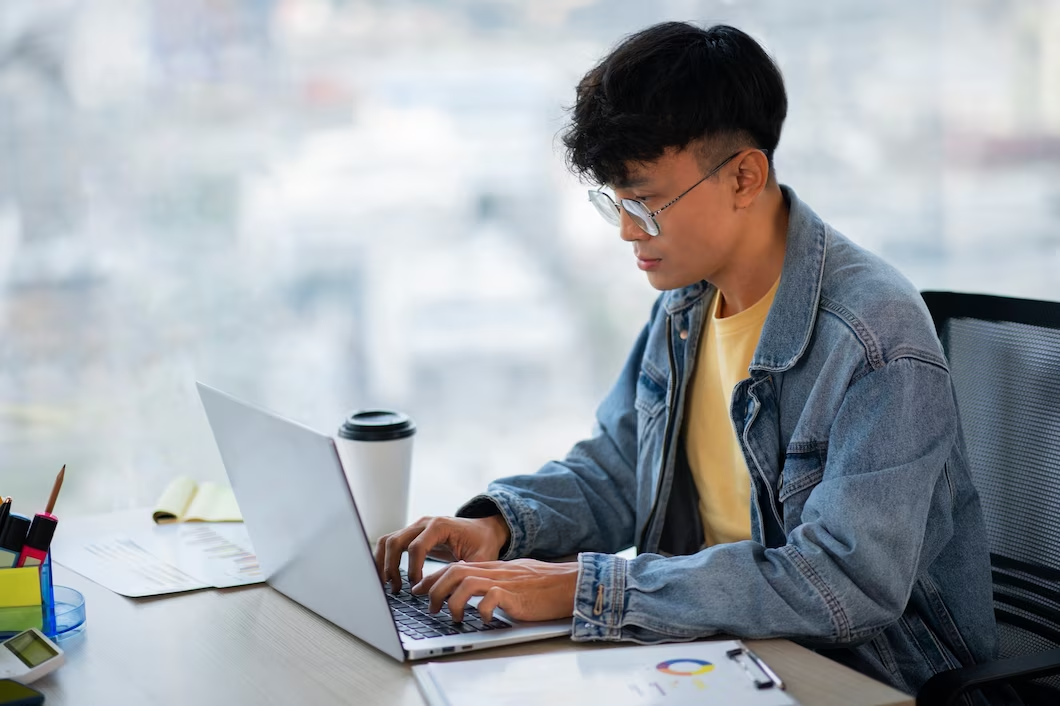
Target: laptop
(303, 522)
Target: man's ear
(752, 175)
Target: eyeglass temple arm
(712, 172)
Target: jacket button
(683, 334)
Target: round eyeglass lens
(641, 216)
(605, 206)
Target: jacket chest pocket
(650, 402)
(651, 395)
(802, 472)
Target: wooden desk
(254, 646)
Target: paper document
(719, 672)
(127, 553)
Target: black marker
(12, 540)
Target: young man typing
(782, 446)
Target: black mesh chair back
(1004, 357)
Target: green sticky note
(21, 618)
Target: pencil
(55, 490)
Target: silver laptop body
(304, 525)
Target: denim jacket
(867, 540)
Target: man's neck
(758, 264)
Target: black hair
(668, 86)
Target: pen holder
(29, 600)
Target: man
(782, 446)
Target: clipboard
(678, 674)
(757, 671)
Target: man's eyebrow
(630, 183)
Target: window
(323, 205)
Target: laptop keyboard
(413, 620)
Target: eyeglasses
(636, 210)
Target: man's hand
(451, 538)
(525, 589)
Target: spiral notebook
(701, 673)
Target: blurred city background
(320, 205)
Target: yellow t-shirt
(718, 467)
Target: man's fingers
(463, 592)
(438, 586)
(380, 557)
(395, 547)
(434, 533)
(426, 583)
(392, 570)
(491, 601)
(525, 589)
(445, 585)
(454, 573)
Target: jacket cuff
(517, 513)
(599, 599)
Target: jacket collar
(789, 326)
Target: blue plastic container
(61, 613)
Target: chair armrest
(946, 687)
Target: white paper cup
(375, 447)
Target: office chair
(1004, 357)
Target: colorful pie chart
(684, 667)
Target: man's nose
(628, 230)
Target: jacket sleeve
(585, 501)
(844, 574)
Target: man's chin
(666, 282)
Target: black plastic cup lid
(377, 425)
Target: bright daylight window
(319, 205)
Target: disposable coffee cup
(375, 447)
